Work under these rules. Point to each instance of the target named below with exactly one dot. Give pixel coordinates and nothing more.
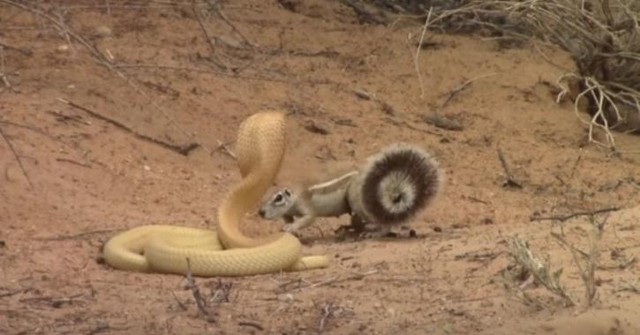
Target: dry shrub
(602, 36)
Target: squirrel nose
(261, 213)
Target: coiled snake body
(260, 147)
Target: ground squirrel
(393, 186)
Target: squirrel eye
(278, 198)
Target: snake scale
(260, 147)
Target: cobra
(260, 148)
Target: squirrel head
(278, 205)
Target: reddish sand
(91, 179)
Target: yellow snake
(260, 147)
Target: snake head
(277, 206)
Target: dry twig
(200, 302)
(181, 149)
(204, 29)
(541, 271)
(3, 73)
(225, 148)
(327, 312)
(418, 49)
(631, 287)
(79, 235)
(251, 324)
(17, 157)
(462, 87)
(233, 26)
(587, 262)
(222, 292)
(563, 218)
(510, 182)
(287, 286)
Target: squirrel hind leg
(399, 182)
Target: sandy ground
(164, 78)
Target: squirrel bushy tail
(395, 184)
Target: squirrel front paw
(379, 232)
(290, 228)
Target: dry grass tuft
(534, 270)
(526, 266)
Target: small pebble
(104, 31)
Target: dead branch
(631, 287)
(200, 302)
(103, 326)
(354, 276)
(180, 303)
(563, 218)
(226, 150)
(54, 301)
(60, 117)
(587, 270)
(407, 125)
(14, 292)
(315, 128)
(3, 73)
(222, 292)
(197, 13)
(510, 182)
(233, 26)
(524, 257)
(210, 42)
(386, 107)
(416, 63)
(251, 324)
(300, 284)
(327, 312)
(24, 52)
(79, 235)
(16, 156)
(181, 149)
(71, 161)
(462, 87)
(222, 73)
(564, 243)
(32, 128)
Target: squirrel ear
(286, 192)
